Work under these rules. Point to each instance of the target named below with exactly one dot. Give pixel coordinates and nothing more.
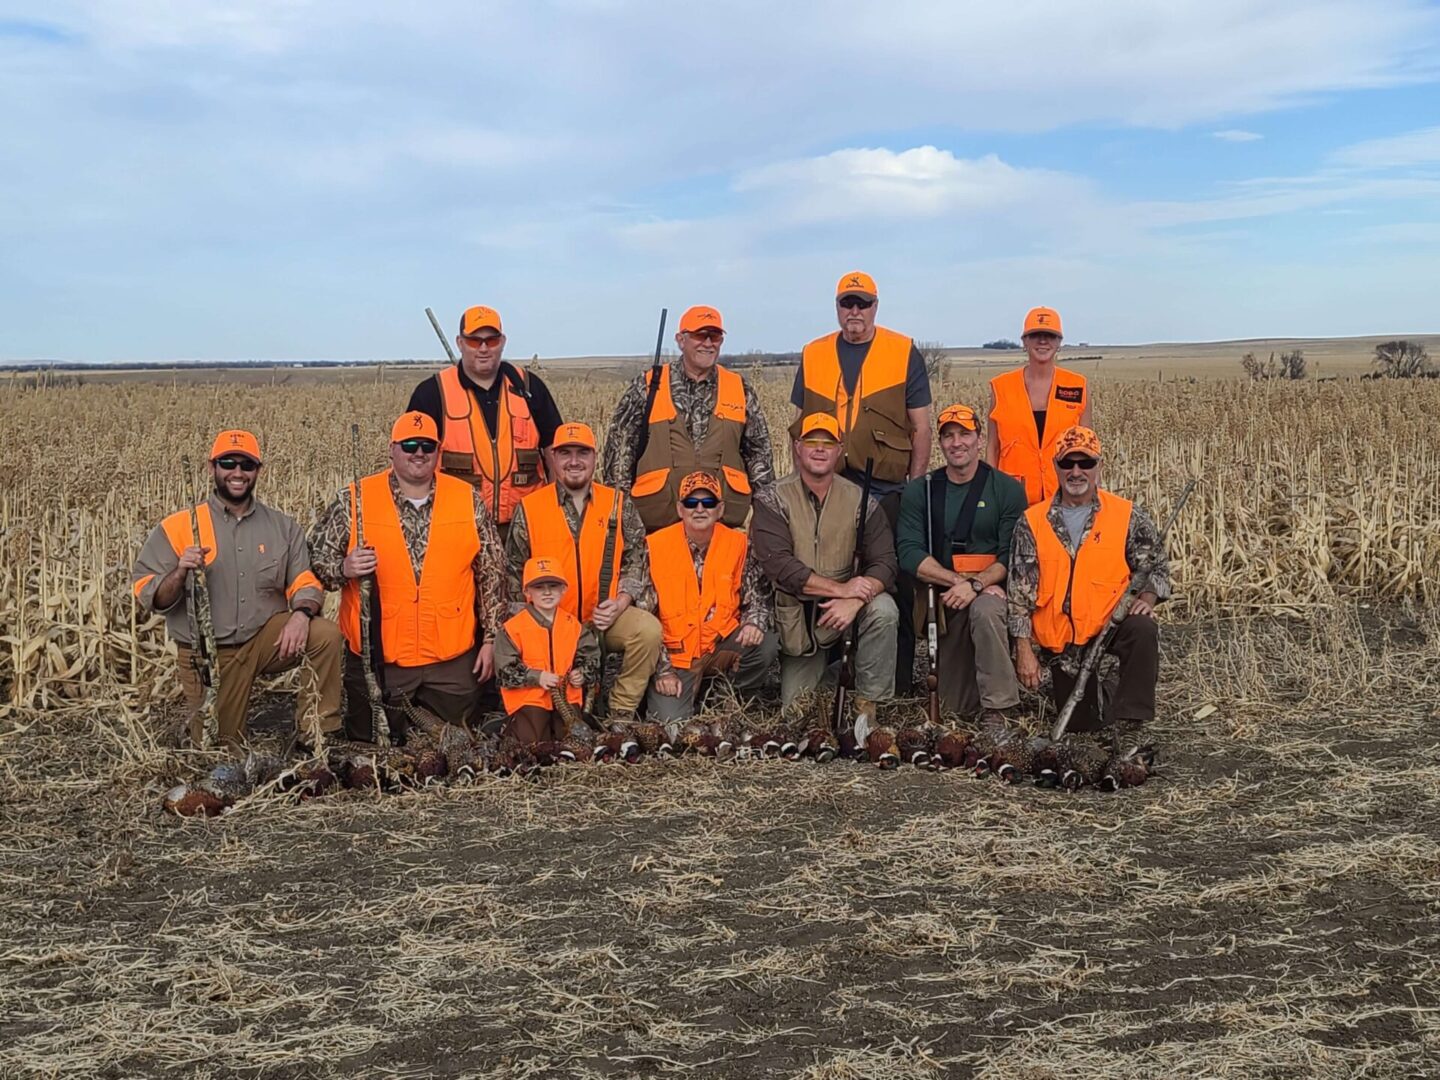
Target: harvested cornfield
(1266, 906)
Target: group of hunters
(499, 562)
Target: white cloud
(1235, 135)
(1394, 152)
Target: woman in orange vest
(1032, 405)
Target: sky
(299, 179)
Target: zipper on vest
(1069, 592)
(579, 569)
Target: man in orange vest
(874, 382)
(702, 415)
(1031, 405)
(264, 599)
(495, 420)
(714, 602)
(583, 526)
(962, 548)
(431, 545)
(1070, 562)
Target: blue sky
(293, 179)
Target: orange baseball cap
(235, 441)
(963, 415)
(856, 283)
(1043, 319)
(414, 425)
(542, 569)
(699, 317)
(574, 435)
(820, 422)
(478, 318)
(1077, 439)
(701, 481)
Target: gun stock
(379, 720)
(601, 705)
(845, 684)
(932, 631)
(204, 654)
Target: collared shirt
(757, 596)
(512, 672)
(773, 546)
(330, 542)
(260, 555)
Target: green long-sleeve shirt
(1002, 502)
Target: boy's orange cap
(542, 569)
(235, 441)
(414, 425)
(1042, 319)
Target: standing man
(805, 542)
(963, 550)
(495, 420)
(714, 602)
(1070, 562)
(440, 584)
(701, 415)
(874, 382)
(264, 601)
(573, 521)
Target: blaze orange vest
(873, 421)
(579, 556)
(469, 450)
(433, 619)
(670, 456)
(1075, 597)
(1023, 453)
(544, 648)
(694, 615)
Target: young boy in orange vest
(540, 650)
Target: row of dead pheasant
(436, 753)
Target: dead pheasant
(1128, 770)
(579, 743)
(915, 745)
(821, 744)
(1045, 761)
(697, 737)
(952, 750)
(998, 745)
(882, 748)
(186, 800)
(1079, 762)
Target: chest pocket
(270, 574)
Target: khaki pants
(973, 659)
(875, 631)
(319, 700)
(747, 680)
(446, 688)
(636, 633)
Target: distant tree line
(1001, 343)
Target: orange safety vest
(670, 456)
(470, 451)
(544, 648)
(1075, 597)
(579, 556)
(433, 619)
(1023, 453)
(695, 614)
(874, 422)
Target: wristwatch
(976, 584)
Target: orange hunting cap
(478, 318)
(235, 442)
(700, 481)
(820, 422)
(1077, 439)
(414, 425)
(1042, 319)
(574, 435)
(699, 317)
(959, 414)
(542, 569)
(856, 283)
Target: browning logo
(417, 423)
(1072, 394)
(853, 282)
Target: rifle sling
(960, 535)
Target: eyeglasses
(244, 464)
(816, 443)
(418, 446)
(707, 336)
(1086, 463)
(709, 502)
(852, 302)
(486, 342)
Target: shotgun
(379, 721)
(600, 706)
(441, 335)
(932, 632)
(644, 440)
(204, 656)
(845, 685)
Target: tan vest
(873, 421)
(825, 542)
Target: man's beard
(223, 492)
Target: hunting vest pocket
(649, 483)
(527, 468)
(456, 464)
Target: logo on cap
(853, 282)
(417, 422)
(234, 440)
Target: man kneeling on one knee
(804, 536)
(715, 604)
(954, 535)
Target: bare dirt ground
(1268, 907)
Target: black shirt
(426, 398)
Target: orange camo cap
(542, 569)
(963, 415)
(700, 317)
(1044, 319)
(820, 422)
(235, 441)
(700, 481)
(414, 425)
(478, 318)
(1077, 439)
(574, 435)
(856, 283)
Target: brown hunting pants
(531, 724)
(446, 688)
(1137, 645)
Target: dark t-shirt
(917, 379)
(1001, 505)
(426, 398)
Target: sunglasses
(1086, 463)
(850, 303)
(244, 464)
(709, 502)
(420, 446)
(707, 335)
(485, 342)
(816, 443)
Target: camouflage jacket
(757, 599)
